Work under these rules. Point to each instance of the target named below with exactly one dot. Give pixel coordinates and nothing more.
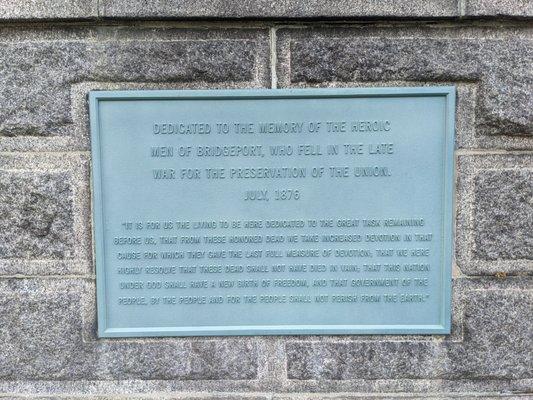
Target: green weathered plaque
(245, 212)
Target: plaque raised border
(97, 97)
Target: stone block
(45, 227)
(513, 8)
(37, 220)
(190, 359)
(38, 99)
(360, 360)
(41, 335)
(278, 9)
(50, 9)
(497, 339)
(403, 396)
(503, 210)
(498, 62)
(494, 208)
(173, 396)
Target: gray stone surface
(49, 9)
(45, 214)
(231, 359)
(518, 8)
(297, 396)
(173, 396)
(408, 396)
(494, 214)
(356, 360)
(466, 135)
(42, 337)
(498, 62)
(260, 9)
(36, 83)
(278, 9)
(504, 215)
(37, 220)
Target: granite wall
(52, 53)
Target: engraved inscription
(252, 252)
(273, 215)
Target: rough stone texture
(519, 8)
(42, 338)
(500, 64)
(373, 360)
(36, 211)
(369, 396)
(44, 207)
(278, 9)
(38, 73)
(187, 360)
(466, 135)
(174, 396)
(49, 9)
(260, 9)
(494, 229)
(305, 396)
(504, 215)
